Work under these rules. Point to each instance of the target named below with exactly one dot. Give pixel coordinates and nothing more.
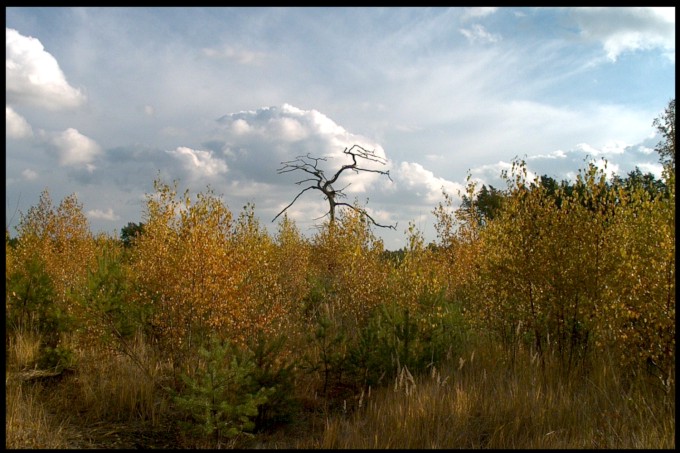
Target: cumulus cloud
(16, 125)
(646, 150)
(199, 163)
(74, 148)
(290, 124)
(629, 29)
(102, 215)
(414, 177)
(256, 143)
(34, 76)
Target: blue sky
(100, 101)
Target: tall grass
(22, 350)
(28, 424)
(105, 386)
(480, 400)
(112, 386)
(483, 403)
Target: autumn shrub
(639, 316)
(112, 316)
(46, 272)
(457, 252)
(559, 270)
(347, 260)
(263, 289)
(418, 273)
(61, 238)
(539, 266)
(290, 267)
(184, 273)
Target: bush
(397, 336)
(328, 350)
(58, 358)
(220, 400)
(272, 371)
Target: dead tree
(318, 180)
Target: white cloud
(258, 141)
(478, 33)
(29, 174)
(288, 129)
(240, 127)
(245, 57)
(199, 163)
(34, 77)
(102, 215)
(425, 184)
(615, 147)
(629, 29)
(655, 169)
(75, 149)
(478, 11)
(559, 154)
(646, 150)
(490, 174)
(381, 216)
(16, 125)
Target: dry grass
(477, 402)
(113, 386)
(28, 424)
(22, 350)
(106, 388)
(479, 405)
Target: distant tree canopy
(130, 231)
(665, 124)
(488, 201)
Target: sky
(100, 102)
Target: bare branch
(294, 200)
(363, 212)
(306, 180)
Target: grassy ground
(480, 405)
(478, 401)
